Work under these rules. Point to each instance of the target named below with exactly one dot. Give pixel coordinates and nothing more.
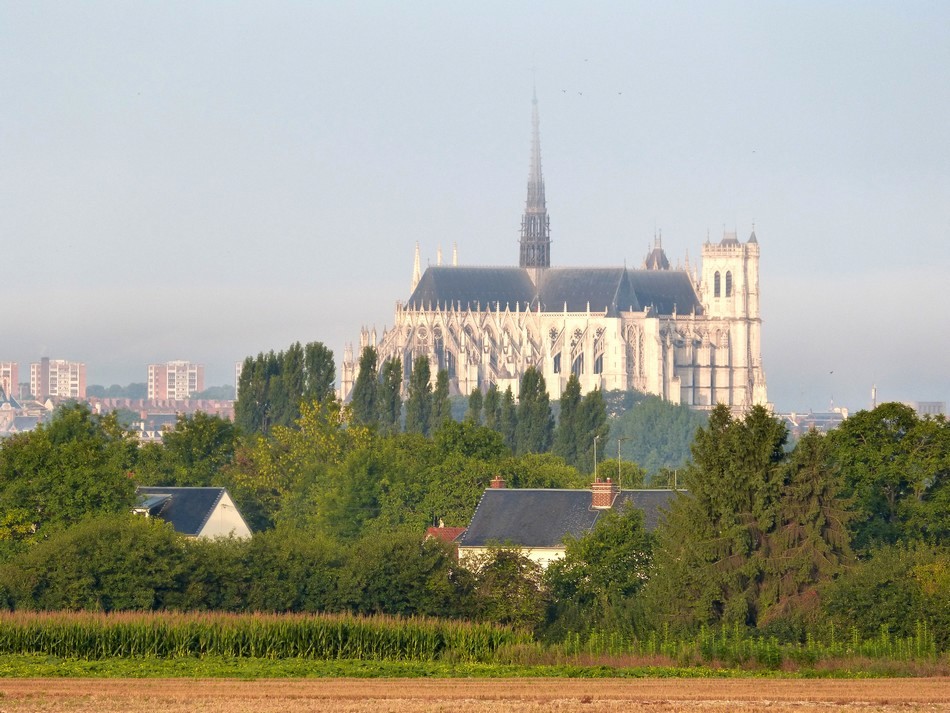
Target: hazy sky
(206, 180)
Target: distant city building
(238, 368)
(175, 380)
(928, 408)
(57, 378)
(691, 335)
(9, 379)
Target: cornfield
(88, 635)
(736, 647)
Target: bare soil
(474, 695)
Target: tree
(272, 386)
(655, 434)
(565, 437)
(76, 466)
(389, 397)
(402, 574)
(319, 373)
(441, 405)
(110, 563)
(590, 428)
(419, 403)
(474, 413)
(712, 545)
(810, 543)
(896, 468)
(507, 423)
(535, 427)
(194, 453)
(493, 405)
(601, 571)
(365, 402)
(509, 588)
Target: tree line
(848, 529)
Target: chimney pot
(498, 482)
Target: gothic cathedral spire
(535, 224)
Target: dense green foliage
(534, 427)
(419, 401)
(654, 434)
(754, 534)
(365, 400)
(846, 530)
(75, 466)
(272, 386)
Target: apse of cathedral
(690, 336)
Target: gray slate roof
(612, 289)
(187, 509)
(532, 517)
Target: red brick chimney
(603, 493)
(498, 482)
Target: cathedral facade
(689, 336)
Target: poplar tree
(492, 406)
(590, 425)
(365, 401)
(419, 403)
(474, 413)
(441, 405)
(535, 428)
(508, 419)
(565, 437)
(389, 395)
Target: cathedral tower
(535, 224)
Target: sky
(208, 180)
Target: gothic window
(553, 335)
(599, 364)
(557, 363)
(577, 368)
(716, 285)
(728, 284)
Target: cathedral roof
(473, 288)
(613, 289)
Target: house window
(716, 289)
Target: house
(537, 521)
(193, 512)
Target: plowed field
(474, 695)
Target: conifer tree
(492, 405)
(441, 405)
(565, 437)
(590, 424)
(389, 395)
(535, 428)
(419, 403)
(365, 399)
(712, 547)
(474, 413)
(810, 543)
(507, 419)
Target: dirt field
(474, 695)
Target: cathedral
(690, 336)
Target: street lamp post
(620, 440)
